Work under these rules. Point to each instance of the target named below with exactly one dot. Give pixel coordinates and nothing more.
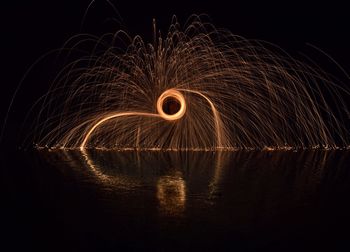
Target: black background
(31, 28)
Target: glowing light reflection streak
(172, 203)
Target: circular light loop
(174, 95)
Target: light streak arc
(88, 134)
(259, 96)
(173, 93)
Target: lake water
(242, 201)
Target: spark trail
(197, 88)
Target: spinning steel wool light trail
(197, 88)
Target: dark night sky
(31, 28)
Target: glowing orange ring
(171, 93)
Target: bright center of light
(171, 105)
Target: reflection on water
(171, 194)
(169, 173)
(195, 199)
(212, 177)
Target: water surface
(242, 201)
